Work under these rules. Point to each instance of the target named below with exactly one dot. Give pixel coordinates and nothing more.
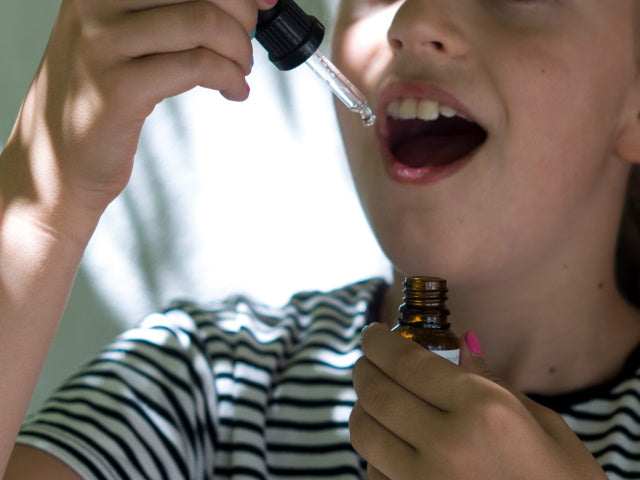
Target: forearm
(106, 67)
(39, 256)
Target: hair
(627, 263)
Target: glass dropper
(292, 38)
(341, 87)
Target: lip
(420, 91)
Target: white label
(451, 355)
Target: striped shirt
(240, 391)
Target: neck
(563, 333)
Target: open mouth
(423, 133)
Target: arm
(70, 154)
(27, 463)
(39, 256)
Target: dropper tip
(368, 118)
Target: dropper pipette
(292, 38)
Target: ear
(627, 144)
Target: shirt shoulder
(606, 418)
(337, 315)
(169, 398)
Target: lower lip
(401, 173)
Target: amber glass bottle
(424, 316)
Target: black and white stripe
(242, 391)
(607, 419)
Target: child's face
(547, 84)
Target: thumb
(472, 358)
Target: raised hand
(105, 68)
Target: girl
(507, 132)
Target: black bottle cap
(288, 34)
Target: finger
(136, 5)
(266, 4)
(200, 67)
(180, 27)
(383, 450)
(166, 75)
(428, 376)
(245, 11)
(394, 407)
(375, 474)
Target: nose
(429, 27)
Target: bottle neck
(424, 317)
(425, 302)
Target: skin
(525, 232)
(71, 152)
(109, 63)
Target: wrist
(37, 199)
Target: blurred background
(225, 198)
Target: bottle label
(451, 355)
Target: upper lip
(419, 91)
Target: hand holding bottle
(420, 416)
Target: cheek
(571, 132)
(361, 51)
(561, 114)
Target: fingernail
(473, 343)
(364, 329)
(248, 88)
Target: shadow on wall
(77, 341)
(24, 31)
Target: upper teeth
(411, 108)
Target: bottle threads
(424, 316)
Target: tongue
(435, 150)
(419, 144)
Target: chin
(426, 257)
(444, 254)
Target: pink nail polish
(473, 343)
